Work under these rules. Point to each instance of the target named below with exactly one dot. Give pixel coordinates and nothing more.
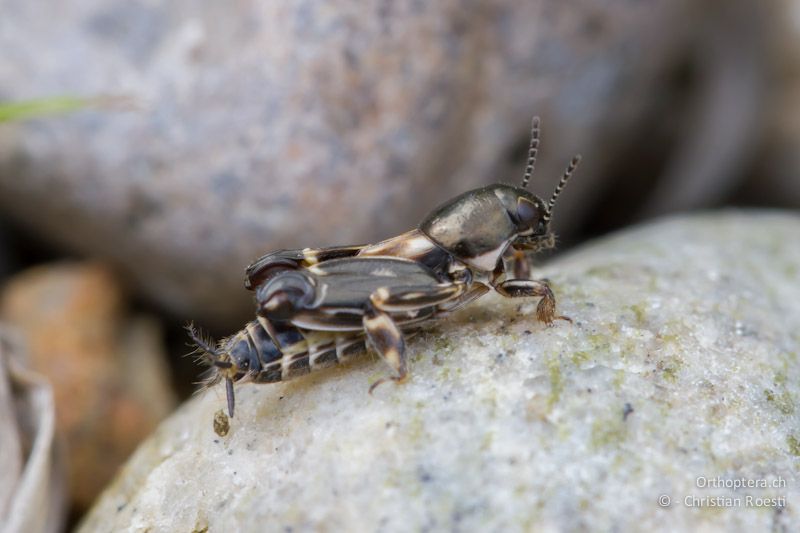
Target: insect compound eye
(529, 216)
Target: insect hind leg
(384, 335)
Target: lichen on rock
(680, 372)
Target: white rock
(681, 371)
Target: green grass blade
(42, 107)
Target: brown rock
(78, 335)
(32, 492)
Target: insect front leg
(521, 286)
(383, 334)
(520, 263)
(546, 310)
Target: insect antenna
(203, 346)
(533, 149)
(560, 187)
(208, 354)
(204, 349)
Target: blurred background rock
(32, 491)
(107, 367)
(254, 125)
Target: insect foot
(546, 309)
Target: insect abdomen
(284, 351)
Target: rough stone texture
(265, 124)
(683, 362)
(107, 368)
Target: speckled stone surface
(683, 363)
(259, 125)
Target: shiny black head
(478, 226)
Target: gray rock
(679, 376)
(263, 125)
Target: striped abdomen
(267, 352)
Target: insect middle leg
(475, 291)
(385, 336)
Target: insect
(319, 307)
